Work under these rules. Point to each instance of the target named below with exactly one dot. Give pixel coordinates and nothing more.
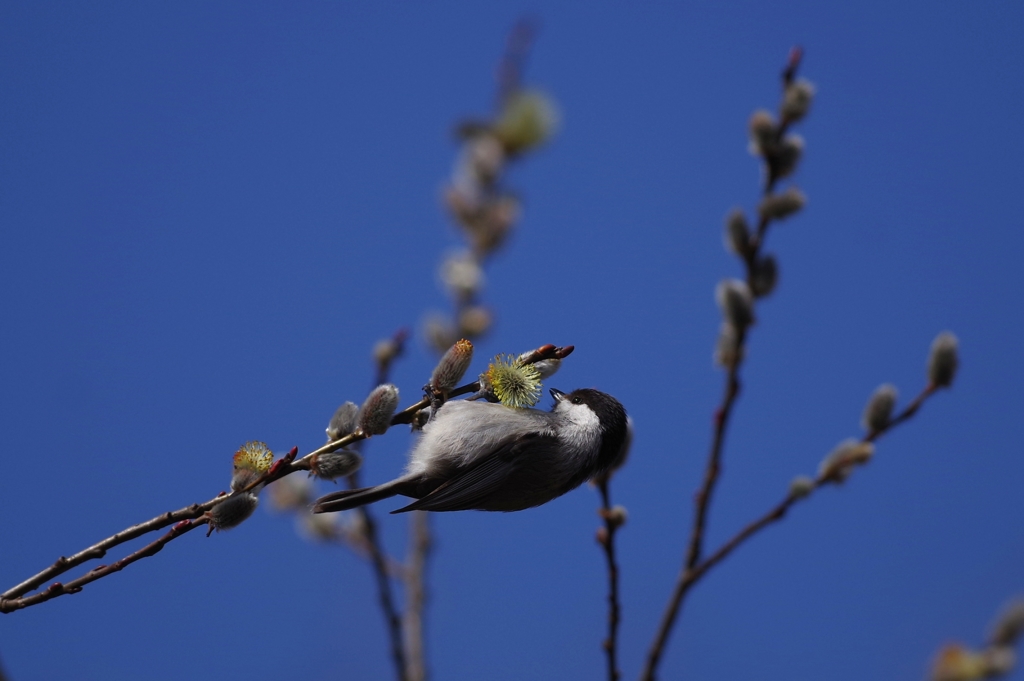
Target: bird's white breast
(462, 431)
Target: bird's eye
(577, 400)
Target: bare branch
(606, 538)
(692, 574)
(513, 62)
(379, 562)
(420, 544)
(76, 585)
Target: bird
(489, 457)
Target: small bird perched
(489, 457)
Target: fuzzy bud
(796, 101)
(439, 332)
(943, 360)
(528, 119)
(484, 158)
(546, 367)
(736, 302)
(764, 276)
(333, 465)
(376, 412)
(344, 421)
(1010, 625)
(801, 486)
(489, 223)
(787, 155)
(385, 351)
(452, 367)
(956, 663)
(762, 132)
(617, 516)
(475, 321)
(462, 275)
(841, 461)
(290, 493)
(878, 412)
(999, 661)
(252, 460)
(231, 512)
(319, 526)
(737, 233)
(781, 206)
(727, 347)
(420, 419)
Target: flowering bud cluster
(781, 152)
(483, 208)
(511, 382)
(250, 462)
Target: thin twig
(691, 575)
(76, 585)
(353, 538)
(513, 62)
(606, 537)
(711, 471)
(379, 562)
(420, 543)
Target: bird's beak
(557, 394)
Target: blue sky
(211, 212)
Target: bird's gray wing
(470, 488)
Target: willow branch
(12, 600)
(702, 499)
(606, 538)
(692, 574)
(379, 562)
(76, 585)
(513, 62)
(420, 544)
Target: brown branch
(99, 549)
(379, 562)
(513, 62)
(12, 600)
(692, 574)
(420, 544)
(732, 379)
(76, 585)
(606, 538)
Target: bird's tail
(343, 500)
